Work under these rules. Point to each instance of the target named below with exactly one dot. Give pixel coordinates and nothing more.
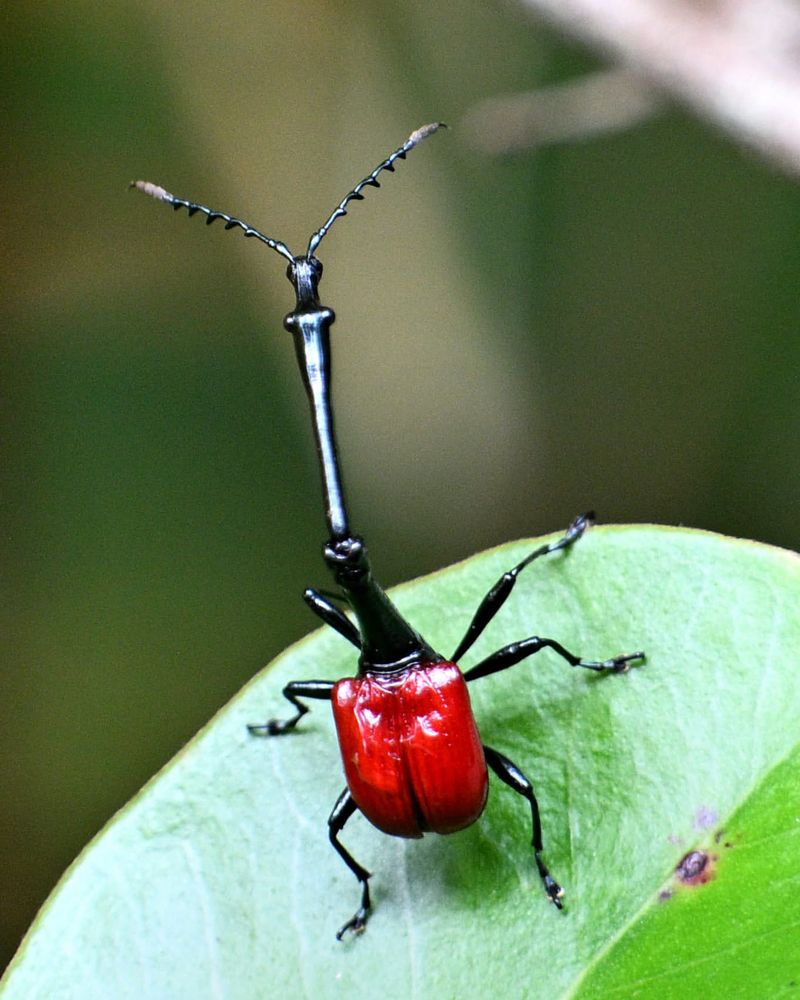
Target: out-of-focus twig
(735, 62)
(605, 101)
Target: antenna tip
(423, 132)
(159, 193)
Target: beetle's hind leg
(294, 690)
(508, 772)
(342, 811)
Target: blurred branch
(599, 102)
(734, 62)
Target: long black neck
(309, 325)
(388, 641)
(311, 333)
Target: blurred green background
(610, 324)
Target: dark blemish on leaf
(691, 864)
(664, 895)
(695, 868)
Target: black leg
(497, 596)
(342, 811)
(332, 616)
(319, 690)
(334, 595)
(510, 655)
(514, 778)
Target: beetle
(412, 755)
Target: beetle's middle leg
(510, 655)
(319, 690)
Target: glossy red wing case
(411, 751)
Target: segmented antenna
(231, 222)
(192, 207)
(371, 180)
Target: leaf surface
(218, 880)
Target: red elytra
(412, 755)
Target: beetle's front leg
(500, 592)
(332, 616)
(294, 690)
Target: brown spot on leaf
(695, 868)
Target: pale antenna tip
(146, 187)
(424, 131)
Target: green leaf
(217, 880)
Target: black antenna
(231, 222)
(192, 207)
(371, 180)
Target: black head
(304, 274)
